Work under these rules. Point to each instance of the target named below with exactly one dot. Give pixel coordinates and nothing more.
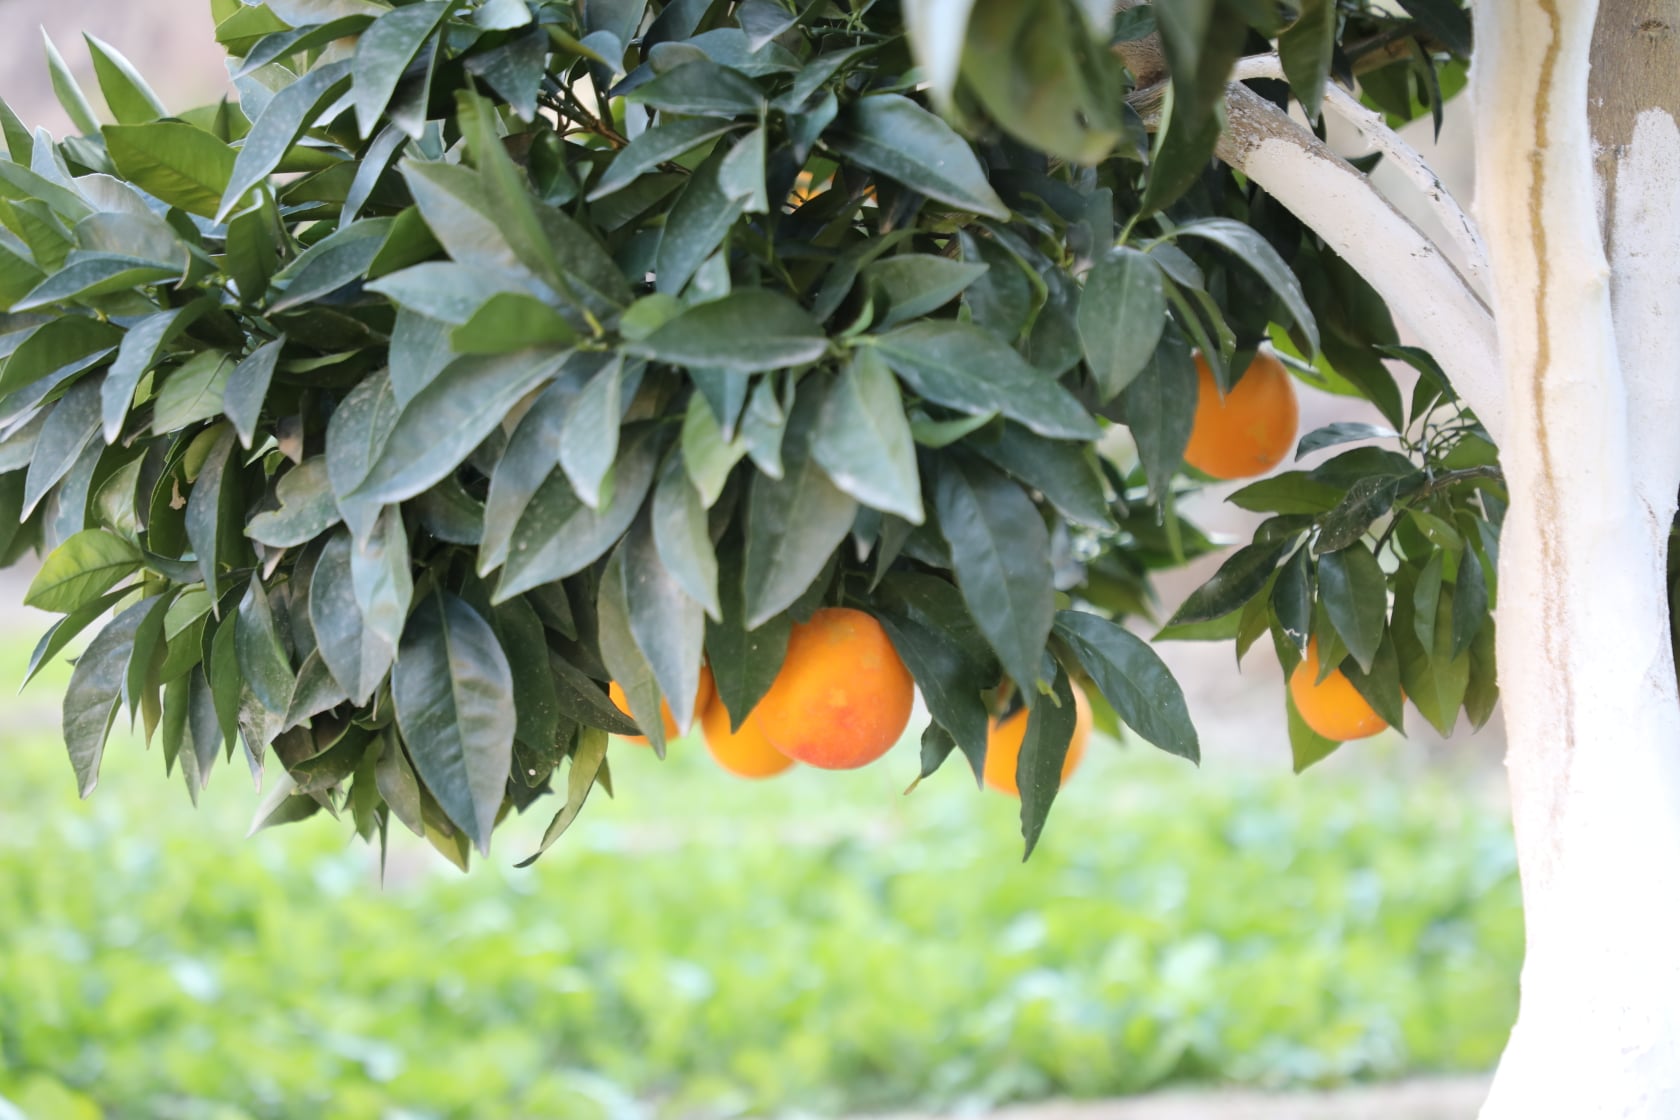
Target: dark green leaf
(357, 655)
(901, 140)
(1305, 51)
(794, 523)
(558, 535)
(1307, 745)
(748, 331)
(1160, 409)
(1133, 679)
(1355, 593)
(681, 533)
(247, 388)
(209, 508)
(700, 88)
(381, 577)
(142, 346)
(57, 349)
(531, 454)
(667, 624)
(71, 427)
(912, 285)
(1038, 771)
(1001, 553)
(966, 368)
(263, 663)
(282, 121)
(863, 440)
(696, 226)
(453, 692)
(1366, 500)
(622, 655)
(1333, 435)
(589, 435)
(449, 417)
(1238, 580)
(588, 762)
(383, 52)
(1256, 252)
(307, 508)
(935, 634)
(1121, 312)
(660, 144)
(95, 689)
(356, 435)
(1470, 602)
(1067, 474)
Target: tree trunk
(1586, 671)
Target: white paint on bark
(1586, 674)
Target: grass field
(705, 947)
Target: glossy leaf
(95, 690)
(1000, 551)
(863, 440)
(282, 121)
(1355, 592)
(1133, 679)
(683, 537)
(1121, 312)
(1051, 720)
(383, 52)
(357, 655)
(895, 136)
(81, 570)
(453, 693)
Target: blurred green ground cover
(707, 947)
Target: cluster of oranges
(841, 699)
(1244, 433)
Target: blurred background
(1229, 941)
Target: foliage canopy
(482, 352)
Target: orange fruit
(1248, 431)
(842, 697)
(745, 753)
(1332, 707)
(1003, 746)
(702, 698)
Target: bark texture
(1587, 677)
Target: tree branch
(1401, 155)
(1332, 198)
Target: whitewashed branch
(1400, 155)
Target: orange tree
(479, 354)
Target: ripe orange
(1248, 431)
(1003, 746)
(842, 697)
(702, 698)
(745, 753)
(1332, 707)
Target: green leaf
(449, 418)
(1306, 745)
(1426, 597)
(263, 662)
(247, 388)
(697, 224)
(306, 13)
(794, 523)
(69, 94)
(85, 277)
(935, 634)
(383, 53)
(912, 285)
(81, 570)
(210, 507)
(963, 367)
(1051, 721)
(708, 456)
(1133, 679)
(1445, 20)
(1067, 474)
(1435, 680)
(142, 346)
(661, 144)
(340, 258)
(622, 655)
(531, 453)
(1306, 50)
(446, 291)
(283, 120)
(1256, 252)
(356, 435)
(589, 435)
(307, 508)
(536, 699)
(1292, 599)
(747, 331)
(381, 576)
(1161, 409)
(95, 689)
(1355, 593)
(1183, 149)
(558, 535)
(1470, 602)
(1381, 686)
(744, 661)
(681, 532)
(192, 392)
(179, 163)
(668, 625)
(61, 633)
(1243, 576)
(453, 693)
(901, 140)
(72, 426)
(130, 99)
(588, 762)
(700, 88)
(1122, 310)
(1365, 501)
(510, 321)
(1333, 435)
(863, 440)
(19, 142)
(1000, 551)
(357, 655)
(58, 349)
(1290, 492)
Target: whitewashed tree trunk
(1589, 453)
